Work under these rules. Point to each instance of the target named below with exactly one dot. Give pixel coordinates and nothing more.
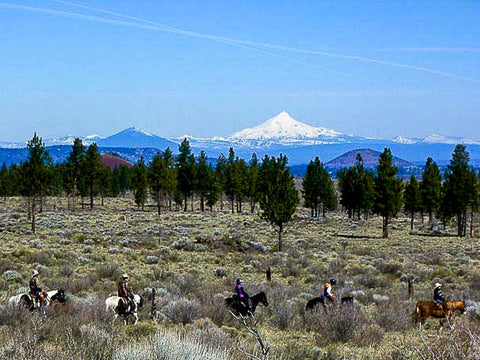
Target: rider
(125, 291)
(242, 295)
(328, 292)
(36, 288)
(438, 296)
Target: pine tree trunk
(280, 245)
(33, 214)
(385, 227)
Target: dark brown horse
(239, 308)
(426, 309)
(321, 300)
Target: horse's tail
(416, 313)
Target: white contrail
(162, 27)
(281, 47)
(428, 49)
(156, 27)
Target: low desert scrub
(393, 315)
(336, 325)
(172, 345)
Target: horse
(313, 303)
(239, 308)
(426, 309)
(25, 300)
(120, 307)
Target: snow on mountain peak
(283, 126)
(136, 129)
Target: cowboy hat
(35, 273)
(438, 285)
(125, 276)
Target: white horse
(26, 301)
(119, 306)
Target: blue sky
(207, 68)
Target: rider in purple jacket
(242, 295)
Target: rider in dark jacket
(36, 288)
(438, 296)
(242, 295)
(125, 291)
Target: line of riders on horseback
(126, 302)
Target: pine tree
(91, 170)
(430, 188)
(140, 183)
(318, 189)
(458, 187)
(388, 190)
(35, 174)
(73, 171)
(203, 178)
(185, 167)
(279, 197)
(311, 186)
(220, 173)
(357, 188)
(252, 181)
(413, 201)
(156, 174)
(5, 183)
(170, 179)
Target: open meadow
(192, 259)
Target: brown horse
(425, 309)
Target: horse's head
(263, 298)
(59, 296)
(138, 300)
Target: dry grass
(193, 259)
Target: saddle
(42, 295)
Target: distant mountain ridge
(369, 157)
(281, 134)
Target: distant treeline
(179, 182)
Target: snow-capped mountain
(435, 139)
(134, 137)
(282, 129)
(68, 140)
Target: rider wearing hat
(36, 288)
(125, 292)
(242, 295)
(438, 296)
(328, 292)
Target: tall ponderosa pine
(156, 174)
(185, 163)
(357, 188)
(91, 170)
(220, 173)
(73, 170)
(458, 186)
(35, 174)
(203, 178)
(318, 189)
(253, 174)
(140, 183)
(235, 180)
(412, 199)
(170, 179)
(430, 188)
(278, 194)
(6, 185)
(388, 190)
